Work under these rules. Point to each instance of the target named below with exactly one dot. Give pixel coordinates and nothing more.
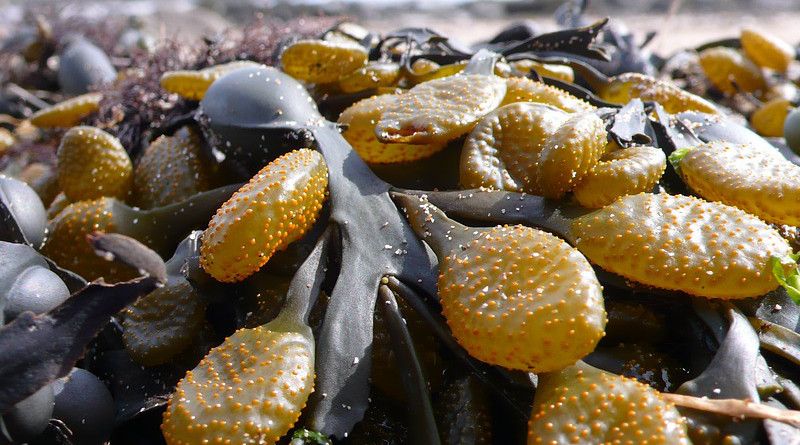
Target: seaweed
(367, 255)
(37, 349)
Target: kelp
(37, 349)
(369, 256)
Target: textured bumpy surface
(769, 118)
(628, 86)
(682, 243)
(170, 170)
(93, 164)
(425, 70)
(66, 243)
(373, 75)
(192, 85)
(582, 404)
(570, 153)
(561, 72)
(321, 61)
(538, 313)
(69, 112)
(360, 119)
(623, 172)
(248, 390)
(502, 150)
(766, 49)
(163, 323)
(441, 109)
(523, 89)
(755, 179)
(278, 205)
(722, 64)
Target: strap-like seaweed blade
(578, 41)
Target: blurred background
(679, 24)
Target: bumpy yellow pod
(374, 75)
(249, 390)
(66, 241)
(767, 50)
(424, 66)
(425, 70)
(582, 404)
(723, 65)
(360, 119)
(346, 31)
(163, 323)
(570, 153)
(320, 61)
(619, 173)
(621, 89)
(69, 112)
(192, 85)
(757, 180)
(769, 118)
(170, 170)
(522, 89)
(682, 243)
(441, 109)
(93, 164)
(279, 204)
(502, 151)
(498, 309)
(561, 72)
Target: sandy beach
(191, 19)
(675, 33)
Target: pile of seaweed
(107, 301)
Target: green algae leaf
(304, 436)
(791, 280)
(677, 155)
